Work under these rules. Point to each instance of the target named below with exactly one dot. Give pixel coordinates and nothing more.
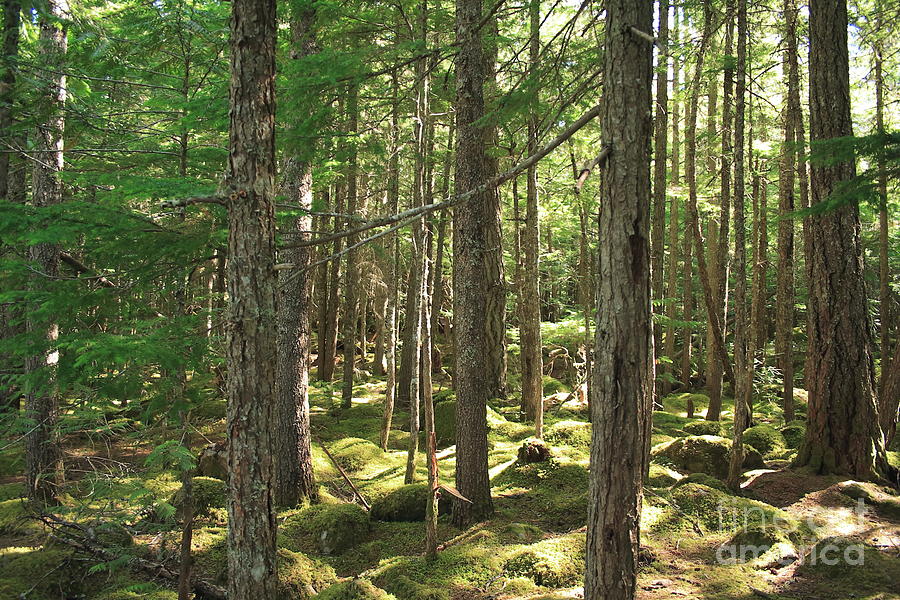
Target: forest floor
(788, 535)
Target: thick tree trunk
(43, 456)
(530, 327)
(294, 481)
(843, 434)
(623, 370)
(251, 328)
(471, 239)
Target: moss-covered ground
(700, 541)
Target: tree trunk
(784, 291)
(884, 268)
(843, 434)
(351, 273)
(251, 348)
(43, 455)
(743, 358)
(332, 305)
(530, 327)
(661, 133)
(676, 114)
(294, 481)
(623, 369)
(471, 238)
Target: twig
(343, 474)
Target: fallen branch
(343, 474)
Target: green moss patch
(356, 589)
(570, 433)
(15, 518)
(703, 427)
(765, 438)
(704, 454)
(406, 503)
(702, 479)
(325, 528)
(662, 476)
(355, 453)
(557, 562)
(207, 492)
(793, 434)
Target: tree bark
(471, 273)
(661, 133)
(294, 480)
(530, 327)
(843, 434)
(332, 305)
(251, 278)
(43, 455)
(623, 368)
(351, 271)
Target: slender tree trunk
(251, 329)
(438, 267)
(676, 115)
(623, 371)
(471, 272)
(530, 327)
(717, 251)
(884, 269)
(351, 272)
(43, 455)
(332, 316)
(393, 195)
(661, 133)
(843, 433)
(759, 315)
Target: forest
(449, 300)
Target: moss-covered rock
(300, 577)
(765, 438)
(716, 511)
(570, 433)
(762, 544)
(339, 527)
(406, 588)
(521, 532)
(356, 589)
(704, 454)
(704, 427)
(405, 503)
(793, 433)
(355, 453)
(662, 476)
(551, 386)
(15, 518)
(702, 479)
(39, 571)
(208, 493)
(556, 562)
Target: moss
(570, 433)
(661, 476)
(339, 527)
(356, 589)
(445, 423)
(765, 438)
(208, 493)
(702, 479)
(300, 577)
(405, 503)
(406, 588)
(521, 532)
(557, 562)
(355, 453)
(704, 427)
(124, 587)
(551, 386)
(110, 533)
(704, 454)
(213, 410)
(793, 434)
(885, 502)
(511, 430)
(15, 518)
(12, 462)
(678, 403)
(843, 568)
(8, 491)
(40, 570)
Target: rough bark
(251, 348)
(43, 455)
(843, 434)
(676, 110)
(294, 480)
(530, 327)
(623, 368)
(331, 319)
(884, 268)
(471, 220)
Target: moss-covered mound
(702, 479)
(662, 476)
(15, 518)
(8, 491)
(569, 433)
(556, 562)
(208, 493)
(405, 503)
(355, 453)
(445, 423)
(325, 528)
(555, 493)
(551, 386)
(704, 427)
(793, 433)
(704, 454)
(300, 577)
(765, 438)
(685, 402)
(883, 499)
(406, 588)
(356, 589)
(761, 543)
(29, 569)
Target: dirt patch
(784, 488)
